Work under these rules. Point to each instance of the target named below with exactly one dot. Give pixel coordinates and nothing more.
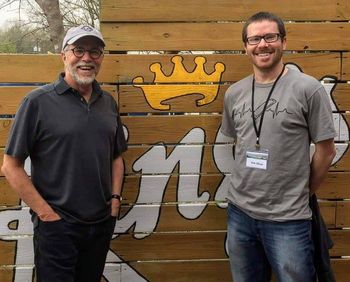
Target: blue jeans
(256, 246)
(71, 252)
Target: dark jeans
(71, 252)
(256, 246)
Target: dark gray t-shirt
(298, 112)
(72, 145)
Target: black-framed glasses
(79, 52)
(269, 38)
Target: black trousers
(71, 252)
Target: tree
(20, 39)
(55, 16)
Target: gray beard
(81, 81)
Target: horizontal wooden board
(341, 96)
(135, 153)
(346, 66)
(341, 239)
(124, 68)
(221, 10)
(211, 270)
(341, 269)
(213, 36)
(182, 271)
(11, 96)
(180, 129)
(171, 129)
(190, 270)
(343, 214)
(194, 159)
(168, 246)
(132, 99)
(336, 186)
(180, 217)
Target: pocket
(55, 224)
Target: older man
(72, 132)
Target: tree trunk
(51, 9)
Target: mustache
(82, 64)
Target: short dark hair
(261, 16)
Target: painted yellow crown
(168, 87)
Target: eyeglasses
(79, 52)
(269, 38)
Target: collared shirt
(71, 144)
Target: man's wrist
(117, 197)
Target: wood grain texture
(221, 10)
(213, 36)
(346, 66)
(341, 239)
(342, 214)
(335, 187)
(208, 166)
(132, 99)
(172, 129)
(168, 246)
(11, 96)
(124, 68)
(184, 271)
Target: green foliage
(20, 39)
(37, 31)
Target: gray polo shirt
(72, 145)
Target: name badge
(257, 159)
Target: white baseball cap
(75, 33)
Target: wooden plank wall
(172, 225)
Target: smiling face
(81, 71)
(266, 57)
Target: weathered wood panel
(341, 239)
(346, 66)
(170, 129)
(133, 100)
(177, 271)
(343, 212)
(341, 268)
(211, 270)
(193, 159)
(8, 251)
(182, 271)
(335, 186)
(171, 246)
(341, 96)
(11, 96)
(174, 210)
(221, 10)
(124, 68)
(135, 153)
(213, 36)
(177, 129)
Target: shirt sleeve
(227, 125)
(23, 131)
(320, 116)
